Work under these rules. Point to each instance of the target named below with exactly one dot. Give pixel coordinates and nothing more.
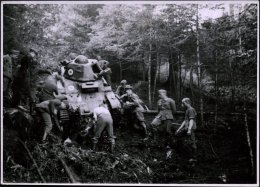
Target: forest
(210, 58)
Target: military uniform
(47, 110)
(133, 109)
(120, 90)
(106, 71)
(24, 81)
(132, 104)
(191, 140)
(7, 78)
(48, 86)
(166, 108)
(104, 121)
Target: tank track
(64, 116)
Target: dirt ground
(223, 158)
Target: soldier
(188, 127)
(133, 105)
(166, 108)
(121, 88)
(47, 89)
(48, 110)
(7, 78)
(103, 121)
(23, 84)
(106, 71)
(72, 56)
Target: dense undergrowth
(222, 158)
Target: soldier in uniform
(188, 127)
(121, 88)
(48, 110)
(47, 89)
(166, 108)
(72, 56)
(7, 78)
(133, 106)
(106, 71)
(103, 121)
(23, 86)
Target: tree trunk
(143, 67)
(184, 78)
(172, 77)
(149, 75)
(120, 69)
(156, 75)
(191, 83)
(199, 68)
(232, 83)
(216, 89)
(159, 71)
(180, 82)
(248, 139)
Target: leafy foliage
(123, 33)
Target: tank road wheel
(116, 115)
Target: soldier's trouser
(139, 116)
(47, 123)
(104, 122)
(191, 140)
(168, 131)
(167, 125)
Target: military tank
(86, 90)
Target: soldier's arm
(158, 106)
(173, 106)
(60, 78)
(118, 90)
(107, 71)
(182, 125)
(122, 97)
(191, 122)
(54, 103)
(135, 100)
(95, 116)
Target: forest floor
(223, 158)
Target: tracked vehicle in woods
(85, 91)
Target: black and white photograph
(130, 93)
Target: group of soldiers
(37, 87)
(166, 107)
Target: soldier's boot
(112, 148)
(145, 130)
(194, 153)
(94, 147)
(153, 133)
(44, 136)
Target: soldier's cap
(128, 87)
(162, 91)
(72, 56)
(104, 62)
(34, 50)
(123, 82)
(186, 100)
